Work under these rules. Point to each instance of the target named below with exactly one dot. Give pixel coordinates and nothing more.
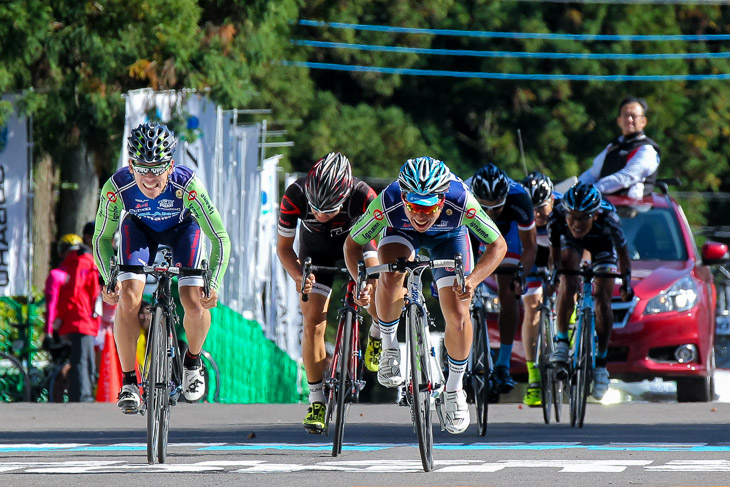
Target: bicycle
(426, 382)
(162, 373)
(481, 364)
(584, 339)
(551, 386)
(344, 379)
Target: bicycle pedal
(313, 430)
(132, 411)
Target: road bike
(551, 387)
(424, 379)
(479, 370)
(583, 353)
(162, 372)
(344, 377)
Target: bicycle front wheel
(421, 384)
(169, 356)
(581, 379)
(544, 349)
(481, 369)
(344, 386)
(14, 381)
(154, 383)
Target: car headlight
(682, 296)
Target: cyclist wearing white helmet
(427, 207)
(327, 201)
(165, 204)
(585, 222)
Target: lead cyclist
(165, 204)
(427, 207)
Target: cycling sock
(562, 336)
(316, 392)
(505, 354)
(191, 360)
(375, 329)
(129, 378)
(456, 373)
(533, 373)
(388, 332)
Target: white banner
(14, 244)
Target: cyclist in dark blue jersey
(509, 205)
(584, 222)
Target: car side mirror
(715, 253)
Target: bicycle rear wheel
(421, 384)
(581, 381)
(345, 382)
(154, 384)
(14, 381)
(169, 356)
(481, 364)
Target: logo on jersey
(471, 213)
(449, 212)
(378, 215)
(166, 203)
(178, 194)
(192, 195)
(111, 196)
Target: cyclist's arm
(289, 259)
(365, 229)
(205, 213)
(478, 222)
(490, 260)
(107, 221)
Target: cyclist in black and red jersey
(328, 201)
(508, 204)
(585, 222)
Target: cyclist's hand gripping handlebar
(362, 278)
(306, 271)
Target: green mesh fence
(253, 368)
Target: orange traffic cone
(110, 371)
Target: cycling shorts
(138, 245)
(603, 253)
(440, 246)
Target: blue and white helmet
(426, 177)
(582, 197)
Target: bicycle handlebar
(588, 273)
(309, 268)
(164, 269)
(403, 265)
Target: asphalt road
(645, 443)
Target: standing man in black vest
(629, 164)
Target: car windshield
(653, 235)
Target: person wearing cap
(427, 207)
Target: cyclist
(508, 204)
(431, 208)
(584, 222)
(540, 189)
(327, 201)
(165, 204)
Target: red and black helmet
(329, 182)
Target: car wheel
(698, 389)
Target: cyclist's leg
(569, 287)
(389, 302)
(530, 322)
(603, 261)
(374, 347)
(509, 313)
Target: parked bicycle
(344, 378)
(425, 382)
(583, 353)
(162, 372)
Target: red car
(668, 330)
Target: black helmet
(539, 187)
(151, 143)
(582, 197)
(490, 183)
(329, 182)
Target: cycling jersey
(460, 209)
(602, 241)
(183, 200)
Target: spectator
(628, 165)
(77, 322)
(56, 277)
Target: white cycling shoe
(389, 373)
(456, 412)
(193, 384)
(600, 383)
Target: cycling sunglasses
(327, 212)
(493, 207)
(428, 210)
(156, 170)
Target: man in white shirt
(628, 165)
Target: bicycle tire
(481, 372)
(153, 383)
(587, 368)
(212, 387)
(168, 356)
(420, 385)
(543, 350)
(14, 380)
(345, 381)
(578, 380)
(558, 393)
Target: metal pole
(263, 144)
(29, 209)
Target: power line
(504, 76)
(642, 2)
(506, 54)
(517, 35)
